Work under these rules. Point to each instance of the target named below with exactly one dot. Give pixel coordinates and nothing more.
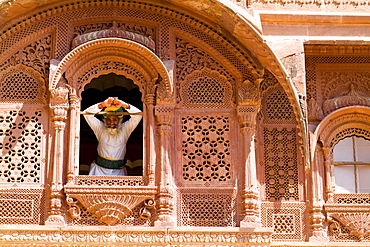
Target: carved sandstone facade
(243, 105)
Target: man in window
(112, 135)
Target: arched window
(96, 91)
(352, 165)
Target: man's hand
(113, 102)
(119, 103)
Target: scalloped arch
(344, 122)
(142, 64)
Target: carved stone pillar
(165, 197)
(250, 192)
(249, 102)
(151, 147)
(316, 193)
(74, 135)
(328, 164)
(59, 106)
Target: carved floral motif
(357, 223)
(116, 32)
(35, 55)
(109, 205)
(249, 94)
(190, 58)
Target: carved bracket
(109, 205)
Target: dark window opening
(96, 91)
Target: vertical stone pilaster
(249, 101)
(250, 193)
(166, 193)
(328, 161)
(316, 193)
(151, 147)
(59, 106)
(74, 140)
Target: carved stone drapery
(249, 103)
(165, 197)
(59, 106)
(358, 223)
(351, 98)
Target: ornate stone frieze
(70, 236)
(336, 84)
(190, 58)
(115, 32)
(129, 27)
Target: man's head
(113, 122)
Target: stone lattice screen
(206, 157)
(23, 131)
(22, 161)
(216, 208)
(280, 165)
(287, 220)
(281, 157)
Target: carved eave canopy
(114, 32)
(351, 99)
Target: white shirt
(111, 146)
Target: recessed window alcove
(99, 89)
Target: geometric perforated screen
(21, 147)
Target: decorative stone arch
(219, 94)
(345, 122)
(354, 120)
(94, 58)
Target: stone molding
(108, 236)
